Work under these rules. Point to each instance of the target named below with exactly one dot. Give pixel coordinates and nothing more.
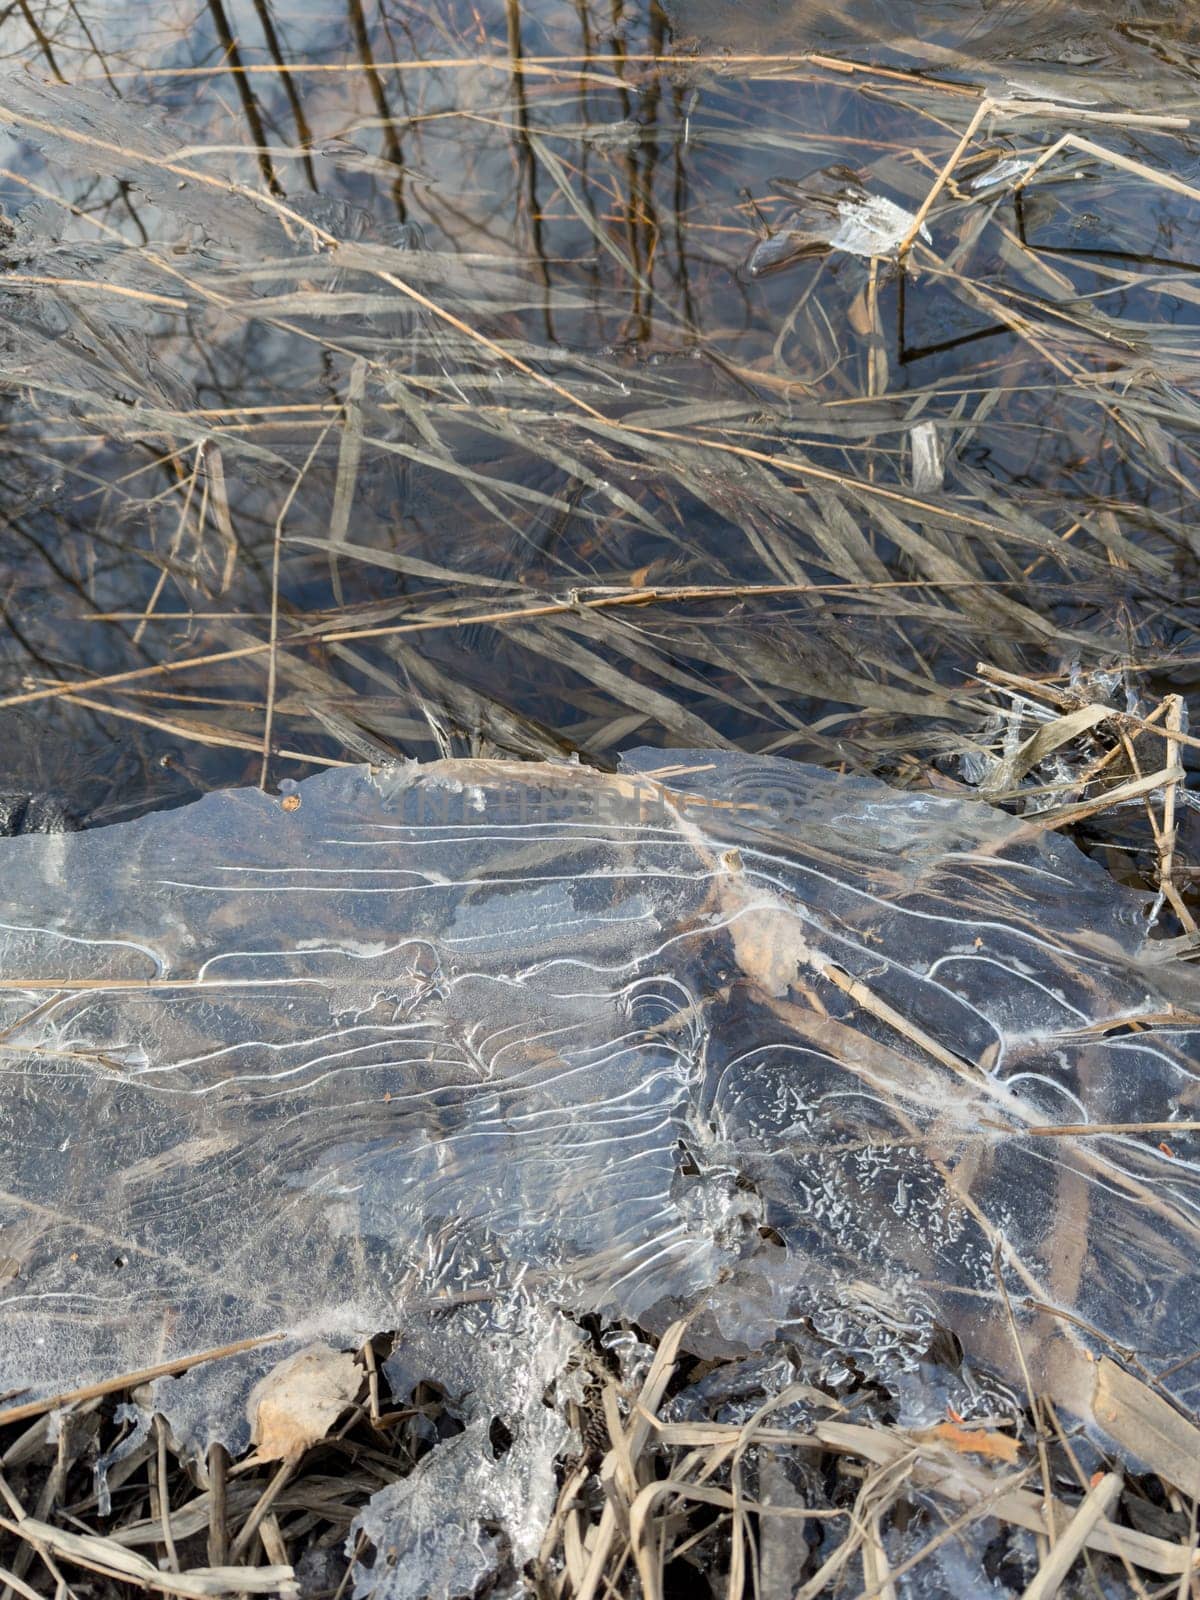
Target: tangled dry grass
(688, 504)
(806, 1494)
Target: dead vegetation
(686, 1475)
(689, 505)
(749, 1478)
(1066, 756)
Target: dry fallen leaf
(976, 1442)
(299, 1401)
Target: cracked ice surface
(746, 1035)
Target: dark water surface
(444, 330)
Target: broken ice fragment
(1002, 172)
(834, 214)
(928, 461)
(872, 225)
(472, 1513)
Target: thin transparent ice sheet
(744, 1035)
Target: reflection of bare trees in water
(451, 307)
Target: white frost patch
(872, 226)
(1002, 172)
(1042, 98)
(928, 463)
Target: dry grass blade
(112, 1560)
(1021, 1507)
(1097, 1503)
(349, 457)
(1120, 794)
(1146, 1424)
(501, 617)
(273, 635)
(198, 732)
(1052, 736)
(631, 1445)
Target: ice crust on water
(753, 1038)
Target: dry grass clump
(1067, 753)
(822, 1508)
(541, 469)
(762, 1488)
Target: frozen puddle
(747, 1039)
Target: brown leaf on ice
(299, 1401)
